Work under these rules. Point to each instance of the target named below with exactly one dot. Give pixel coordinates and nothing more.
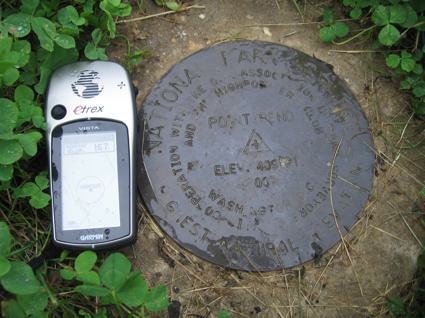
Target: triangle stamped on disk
(255, 144)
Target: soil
(378, 258)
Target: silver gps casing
(115, 97)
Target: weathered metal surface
(238, 145)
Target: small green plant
(172, 5)
(223, 313)
(416, 307)
(396, 306)
(36, 37)
(395, 24)
(34, 190)
(398, 28)
(18, 278)
(118, 289)
(409, 66)
(115, 284)
(332, 29)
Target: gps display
(90, 114)
(90, 181)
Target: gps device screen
(91, 135)
(90, 181)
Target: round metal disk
(255, 156)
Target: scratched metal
(238, 145)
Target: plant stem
(295, 2)
(22, 249)
(356, 36)
(127, 40)
(117, 303)
(414, 26)
(416, 41)
(49, 292)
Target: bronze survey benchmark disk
(238, 147)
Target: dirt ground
(384, 243)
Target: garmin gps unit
(90, 114)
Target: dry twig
(407, 224)
(334, 214)
(146, 17)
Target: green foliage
(410, 67)
(156, 299)
(172, 5)
(59, 35)
(332, 29)
(389, 35)
(114, 271)
(397, 26)
(415, 308)
(135, 57)
(36, 37)
(39, 199)
(396, 306)
(92, 50)
(5, 246)
(393, 23)
(18, 278)
(114, 283)
(119, 289)
(83, 269)
(134, 291)
(224, 314)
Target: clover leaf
(389, 35)
(381, 15)
(10, 151)
(157, 299)
(29, 141)
(39, 199)
(393, 60)
(114, 271)
(6, 172)
(134, 292)
(8, 114)
(85, 261)
(20, 279)
(5, 239)
(18, 24)
(330, 33)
